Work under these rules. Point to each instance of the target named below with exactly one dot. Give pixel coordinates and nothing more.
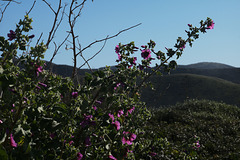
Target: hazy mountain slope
(178, 87)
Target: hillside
(213, 81)
(174, 88)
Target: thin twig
(39, 38)
(97, 41)
(31, 7)
(2, 12)
(49, 5)
(95, 53)
(53, 31)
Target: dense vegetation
(217, 125)
(101, 115)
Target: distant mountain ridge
(206, 65)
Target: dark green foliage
(216, 124)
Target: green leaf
(3, 153)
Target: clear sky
(162, 21)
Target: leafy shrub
(216, 124)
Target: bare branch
(58, 47)
(94, 54)
(49, 5)
(12, 1)
(2, 11)
(72, 21)
(39, 38)
(31, 7)
(97, 41)
(86, 62)
(54, 28)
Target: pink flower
(130, 111)
(117, 86)
(117, 125)
(111, 116)
(1, 121)
(13, 143)
(146, 54)
(128, 138)
(94, 107)
(79, 156)
(11, 35)
(133, 137)
(143, 46)
(111, 157)
(124, 140)
(182, 47)
(74, 94)
(119, 57)
(120, 113)
(71, 142)
(211, 25)
(117, 49)
(39, 69)
(42, 84)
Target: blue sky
(162, 21)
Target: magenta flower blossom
(130, 111)
(211, 25)
(74, 94)
(79, 156)
(189, 25)
(39, 69)
(11, 35)
(117, 49)
(133, 137)
(13, 143)
(42, 84)
(182, 47)
(38, 87)
(117, 86)
(146, 54)
(119, 57)
(117, 125)
(71, 142)
(143, 46)
(99, 102)
(111, 157)
(94, 107)
(196, 145)
(87, 142)
(1, 121)
(111, 116)
(128, 138)
(120, 113)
